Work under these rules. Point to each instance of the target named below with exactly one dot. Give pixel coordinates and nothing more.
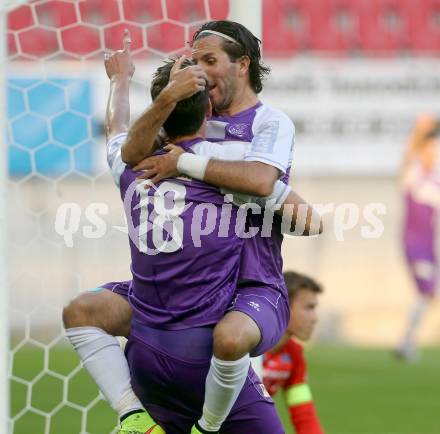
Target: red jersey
(287, 370)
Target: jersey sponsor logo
(238, 130)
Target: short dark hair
(189, 114)
(247, 45)
(296, 281)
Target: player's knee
(78, 313)
(229, 345)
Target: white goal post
(249, 13)
(4, 291)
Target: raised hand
(120, 63)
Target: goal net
(65, 224)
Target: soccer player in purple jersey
(178, 296)
(86, 312)
(230, 56)
(421, 186)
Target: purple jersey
(185, 253)
(422, 199)
(271, 137)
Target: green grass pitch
(357, 391)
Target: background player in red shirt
(284, 366)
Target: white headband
(222, 35)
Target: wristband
(192, 165)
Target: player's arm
(120, 70)
(302, 410)
(142, 134)
(266, 160)
(299, 216)
(298, 396)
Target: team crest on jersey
(238, 130)
(286, 358)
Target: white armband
(192, 165)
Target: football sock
(102, 357)
(414, 320)
(223, 385)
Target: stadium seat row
(351, 25)
(289, 26)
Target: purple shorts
(268, 307)
(424, 269)
(121, 288)
(172, 388)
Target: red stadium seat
(142, 11)
(286, 26)
(384, 26)
(166, 37)
(38, 42)
(81, 39)
(218, 10)
(20, 18)
(99, 11)
(56, 14)
(186, 11)
(12, 45)
(335, 25)
(424, 26)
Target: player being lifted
(284, 366)
(183, 282)
(421, 185)
(230, 56)
(170, 345)
(96, 348)
(152, 379)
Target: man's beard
(222, 106)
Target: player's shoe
(140, 423)
(197, 430)
(407, 355)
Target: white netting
(60, 191)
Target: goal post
(4, 302)
(249, 13)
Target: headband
(222, 35)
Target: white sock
(223, 385)
(414, 320)
(102, 357)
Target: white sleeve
(114, 159)
(274, 136)
(228, 151)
